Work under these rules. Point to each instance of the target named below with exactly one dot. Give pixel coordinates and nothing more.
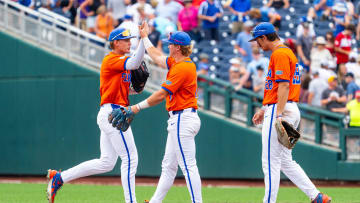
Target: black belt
(276, 103)
(180, 111)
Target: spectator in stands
(333, 98)
(300, 27)
(188, 20)
(203, 66)
(104, 23)
(89, 8)
(319, 53)
(239, 9)
(330, 42)
(165, 27)
(350, 7)
(304, 44)
(26, 3)
(169, 9)
(351, 87)
(66, 8)
(82, 17)
(291, 43)
(258, 60)
(343, 44)
(117, 8)
(304, 87)
(236, 70)
(325, 72)
(341, 17)
(129, 24)
(316, 87)
(209, 12)
(320, 8)
(353, 108)
(353, 66)
(266, 14)
(155, 35)
(140, 11)
(341, 75)
(243, 45)
(278, 4)
(258, 80)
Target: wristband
(279, 116)
(143, 105)
(147, 43)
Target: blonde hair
(186, 50)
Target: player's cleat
(55, 183)
(322, 198)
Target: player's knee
(107, 164)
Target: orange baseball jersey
(181, 84)
(114, 80)
(283, 67)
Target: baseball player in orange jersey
(282, 89)
(115, 79)
(179, 90)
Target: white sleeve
(135, 60)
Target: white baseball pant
(276, 157)
(113, 144)
(180, 150)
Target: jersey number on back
(296, 79)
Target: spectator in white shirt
(140, 11)
(325, 72)
(319, 53)
(169, 9)
(316, 87)
(353, 66)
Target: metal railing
(55, 33)
(50, 30)
(317, 125)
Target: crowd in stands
(324, 34)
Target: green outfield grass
(36, 193)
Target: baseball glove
(121, 118)
(287, 134)
(139, 77)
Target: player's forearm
(155, 54)
(156, 98)
(136, 59)
(282, 97)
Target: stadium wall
(48, 120)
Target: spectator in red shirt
(188, 20)
(343, 44)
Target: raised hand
(144, 29)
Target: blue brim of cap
(253, 39)
(171, 42)
(167, 41)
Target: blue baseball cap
(120, 33)
(262, 29)
(179, 38)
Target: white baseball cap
(353, 55)
(320, 40)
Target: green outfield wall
(48, 120)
